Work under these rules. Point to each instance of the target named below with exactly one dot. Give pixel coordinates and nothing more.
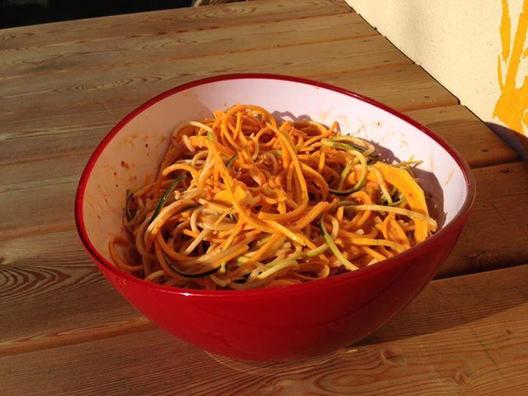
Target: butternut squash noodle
(243, 200)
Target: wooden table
(63, 329)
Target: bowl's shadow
(437, 308)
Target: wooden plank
(55, 135)
(496, 234)
(405, 87)
(146, 24)
(305, 60)
(469, 135)
(461, 335)
(51, 293)
(53, 201)
(42, 267)
(191, 44)
(63, 109)
(28, 139)
(61, 302)
(81, 120)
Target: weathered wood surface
(470, 136)
(63, 86)
(496, 234)
(67, 122)
(189, 44)
(158, 23)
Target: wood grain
(183, 45)
(49, 299)
(460, 336)
(469, 135)
(64, 330)
(159, 23)
(304, 60)
(388, 84)
(496, 234)
(53, 126)
(68, 97)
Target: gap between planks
(75, 336)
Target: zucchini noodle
(243, 200)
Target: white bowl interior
(133, 155)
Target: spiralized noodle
(243, 200)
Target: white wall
(466, 45)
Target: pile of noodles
(242, 201)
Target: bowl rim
(457, 221)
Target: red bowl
(297, 321)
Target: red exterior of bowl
(291, 323)
(297, 321)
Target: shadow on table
(449, 303)
(514, 139)
(443, 305)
